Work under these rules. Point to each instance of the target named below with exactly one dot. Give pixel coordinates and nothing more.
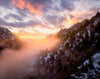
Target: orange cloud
(23, 4)
(19, 3)
(33, 9)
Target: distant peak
(98, 14)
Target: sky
(32, 19)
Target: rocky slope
(76, 57)
(8, 40)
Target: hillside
(76, 57)
(8, 40)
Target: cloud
(67, 4)
(19, 3)
(17, 64)
(95, 9)
(40, 6)
(23, 13)
(84, 15)
(71, 16)
(34, 6)
(17, 17)
(5, 3)
(19, 24)
(47, 13)
(33, 9)
(55, 19)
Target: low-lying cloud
(16, 64)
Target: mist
(15, 64)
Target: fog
(15, 64)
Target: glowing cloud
(33, 9)
(44, 16)
(19, 3)
(24, 4)
(45, 30)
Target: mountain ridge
(76, 56)
(8, 40)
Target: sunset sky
(38, 18)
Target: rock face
(76, 57)
(8, 40)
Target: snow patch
(96, 60)
(80, 40)
(66, 42)
(84, 35)
(86, 62)
(95, 22)
(47, 57)
(89, 33)
(55, 56)
(78, 34)
(79, 67)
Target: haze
(17, 64)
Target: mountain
(8, 40)
(76, 57)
